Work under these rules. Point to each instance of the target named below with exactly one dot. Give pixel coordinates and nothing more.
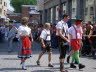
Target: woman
(24, 32)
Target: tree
(18, 3)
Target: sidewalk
(10, 63)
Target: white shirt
(63, 26)
(72, 32)
(45, 34)
(24, 30)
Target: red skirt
(76, 44)
(26, 46)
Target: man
(76, 33)
(62, 32)
(11, 36)
(46, 44)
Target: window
(0, 1)
(91, 10)
(31, 15)
(4, 12)
(64, 4)
(73, 10)
(4, 3)
(0, 11)
(64, 11)
(73, 1)
(86, 0)
(86, 10)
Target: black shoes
(50, 65)
(72, 65)
(38, 63)
(81, 66)
(68, 59)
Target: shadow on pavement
(42, 71)
(9, 69)
(32, 66)
(59, 63)
(11, 59)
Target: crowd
(76, 40)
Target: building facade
(3, 8)
(3, 11)
(89, 11)
(31, 12)
(54, 9)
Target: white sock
(49, 62)
(23, 64)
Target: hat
(78, 21)
(25, 19)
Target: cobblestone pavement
(10, 63)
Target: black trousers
(63, 50)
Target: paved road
(10, 63)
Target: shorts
(48, 47)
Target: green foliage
(18, 3)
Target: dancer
(24, 32)
(76, 42)
(62, 33)
(46, 44)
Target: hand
(68, 41)
(44, 46)
(89, 37)
(31, 40)
(14, 27)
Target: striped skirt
(25, 48)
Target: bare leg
(40, 55)
(49, 56)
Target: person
(10, 35)
(86, 50)
(92, 36)
(62, 33)
(2, 33)
(76, 33)
(46, 44)
(24, 32)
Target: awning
(4, 17)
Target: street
(9, 62)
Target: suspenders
(46, 35)
(76, 32)
(63, 30)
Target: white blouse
(24, 30)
